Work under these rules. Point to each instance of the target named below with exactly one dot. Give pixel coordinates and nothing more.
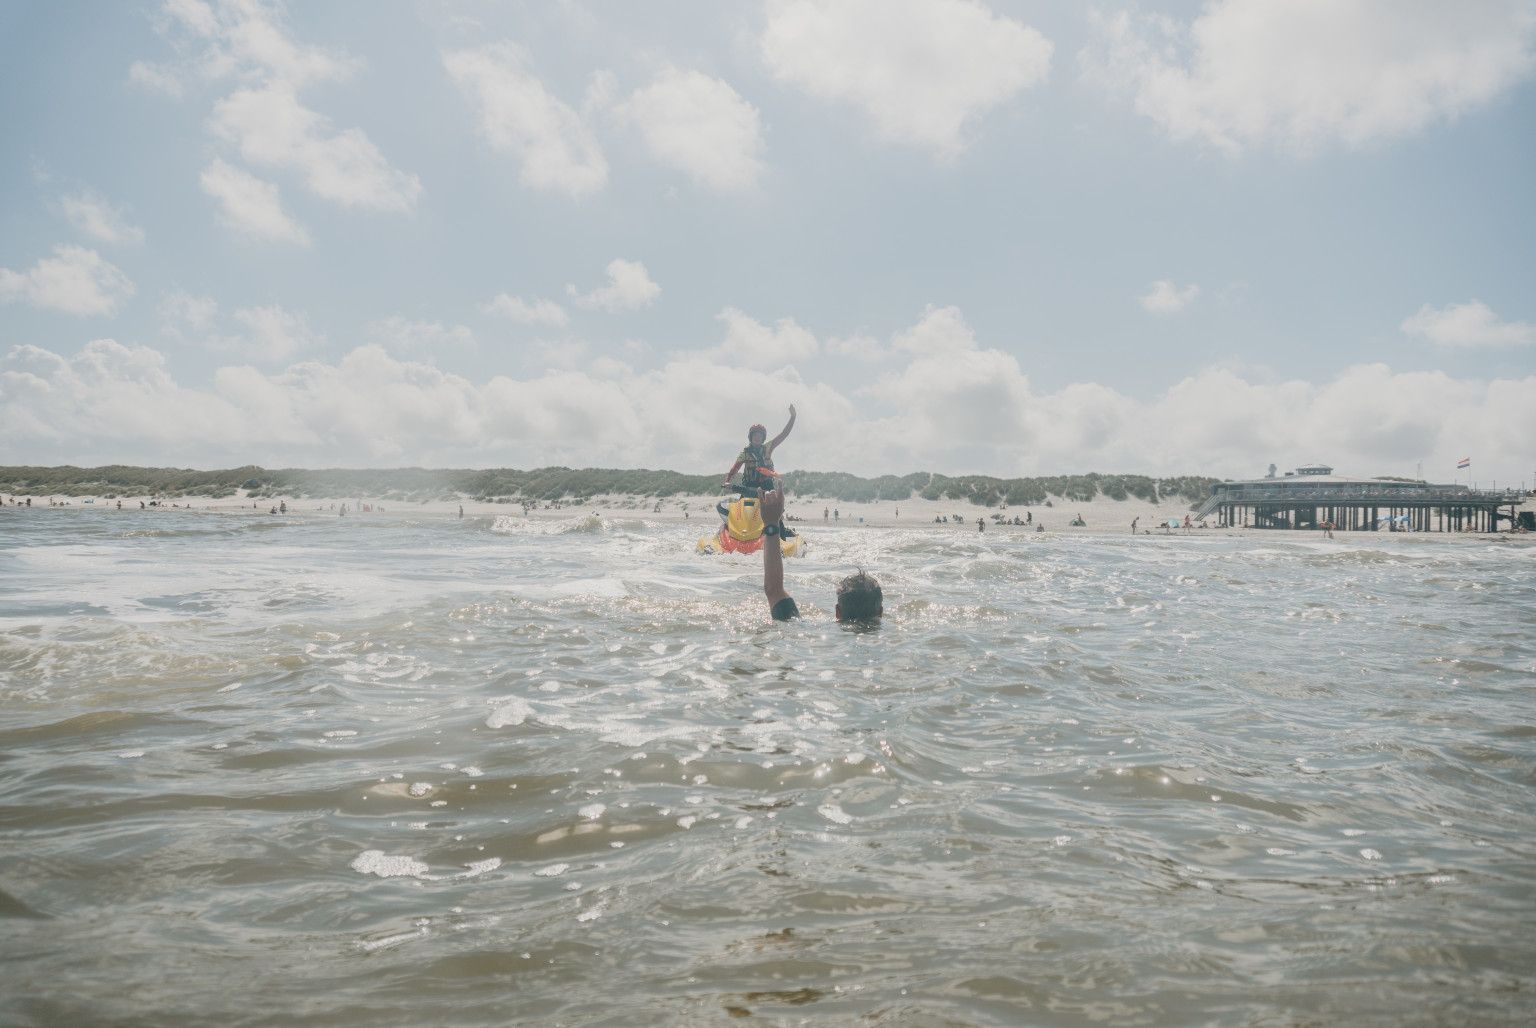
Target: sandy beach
(1100, 516)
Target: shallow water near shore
(260, 770)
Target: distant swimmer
(859, 599)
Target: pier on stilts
(1313, 496)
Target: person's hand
(791, 410)
(770, 505)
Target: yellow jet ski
(742, 531)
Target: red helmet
(757, 428)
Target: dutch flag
(1465, 462)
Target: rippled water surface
(264, 771)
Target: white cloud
(953, 396)
(241, 39)
(116, 401)
(250, 205)
(74, 280)
(156, 78)
(1165, 297)
(403, 336)
(552, 145)
(859, 347)
(952, 407)
(95, 217)
(629, 288)
(268, 334)
(270, 127)
(939, 331)
(922, 70)
(700, 126)
(527, 312)
(1255, 73)
(194, 15)
(182, 313)
(1468, 325)
(247, 41)
(274, 334)
(750, 343)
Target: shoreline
(1103, 517)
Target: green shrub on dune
(551, 484)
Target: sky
(1005, 237)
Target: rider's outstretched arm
(784, 434)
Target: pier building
(1312, 495)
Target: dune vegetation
(540, 485)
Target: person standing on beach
(1133, 523)
(859, 598)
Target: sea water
(418, 770)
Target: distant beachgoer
(826, 512)
(981, 524)
(836, 514)
(1133, 524)
(1188, 524)
(859, 598)
(461, 512)
(1029, 517)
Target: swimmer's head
(859, 598)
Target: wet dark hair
(859, 597)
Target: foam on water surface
(1052, 751)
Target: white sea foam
(509, 712)
(834, 813)
(377, 862)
